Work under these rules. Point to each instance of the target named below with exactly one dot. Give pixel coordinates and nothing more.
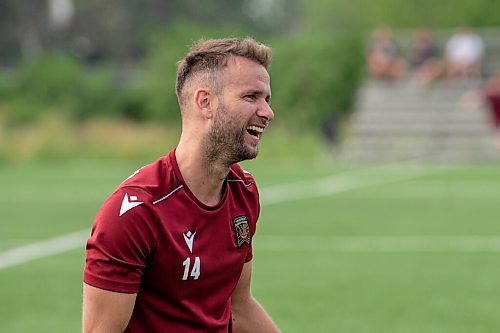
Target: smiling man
(171, 248)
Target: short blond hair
(212, 55)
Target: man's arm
(248, 315)
(106, 311)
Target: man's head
(223, 89)
(207, 60)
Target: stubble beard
(225, 143)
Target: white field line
(338, 183)
(25, 253)
(271, 195)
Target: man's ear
(206, 102)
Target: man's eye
(250, 97)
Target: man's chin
(252, 152)
(249, 154)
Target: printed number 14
(195, 272)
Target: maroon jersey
(183, 258)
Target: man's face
(243, 112)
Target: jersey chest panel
(197, 258)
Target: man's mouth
(255, 130)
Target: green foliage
(98, 94)
(315, 78)
(57, 82)
(314, 75)
(50, 79)
(42, 83)
(332, 15)
(166, 47)
(312, 78)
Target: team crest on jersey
(242, 230)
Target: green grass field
(389, 249)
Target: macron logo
(189, 238)
(128, 204)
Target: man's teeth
(255, 129)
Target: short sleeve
(256, 208)
(122, 240)
(249, 256)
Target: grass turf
(310, 291)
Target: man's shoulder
(238, 174)
(242, 184)
(153, 177)
(150, 181)
(145, 174)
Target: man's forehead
(244, 67)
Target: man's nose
(266, 112)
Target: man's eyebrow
(258, 92)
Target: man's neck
(205, 180)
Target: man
(170, 250)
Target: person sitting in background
(464, 52)
(489, 94)
(424, 57)
(383, 56)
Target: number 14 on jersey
(195, 270)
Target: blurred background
(379, 175)
(83, 69)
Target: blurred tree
(328, 15)
(118, 29)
